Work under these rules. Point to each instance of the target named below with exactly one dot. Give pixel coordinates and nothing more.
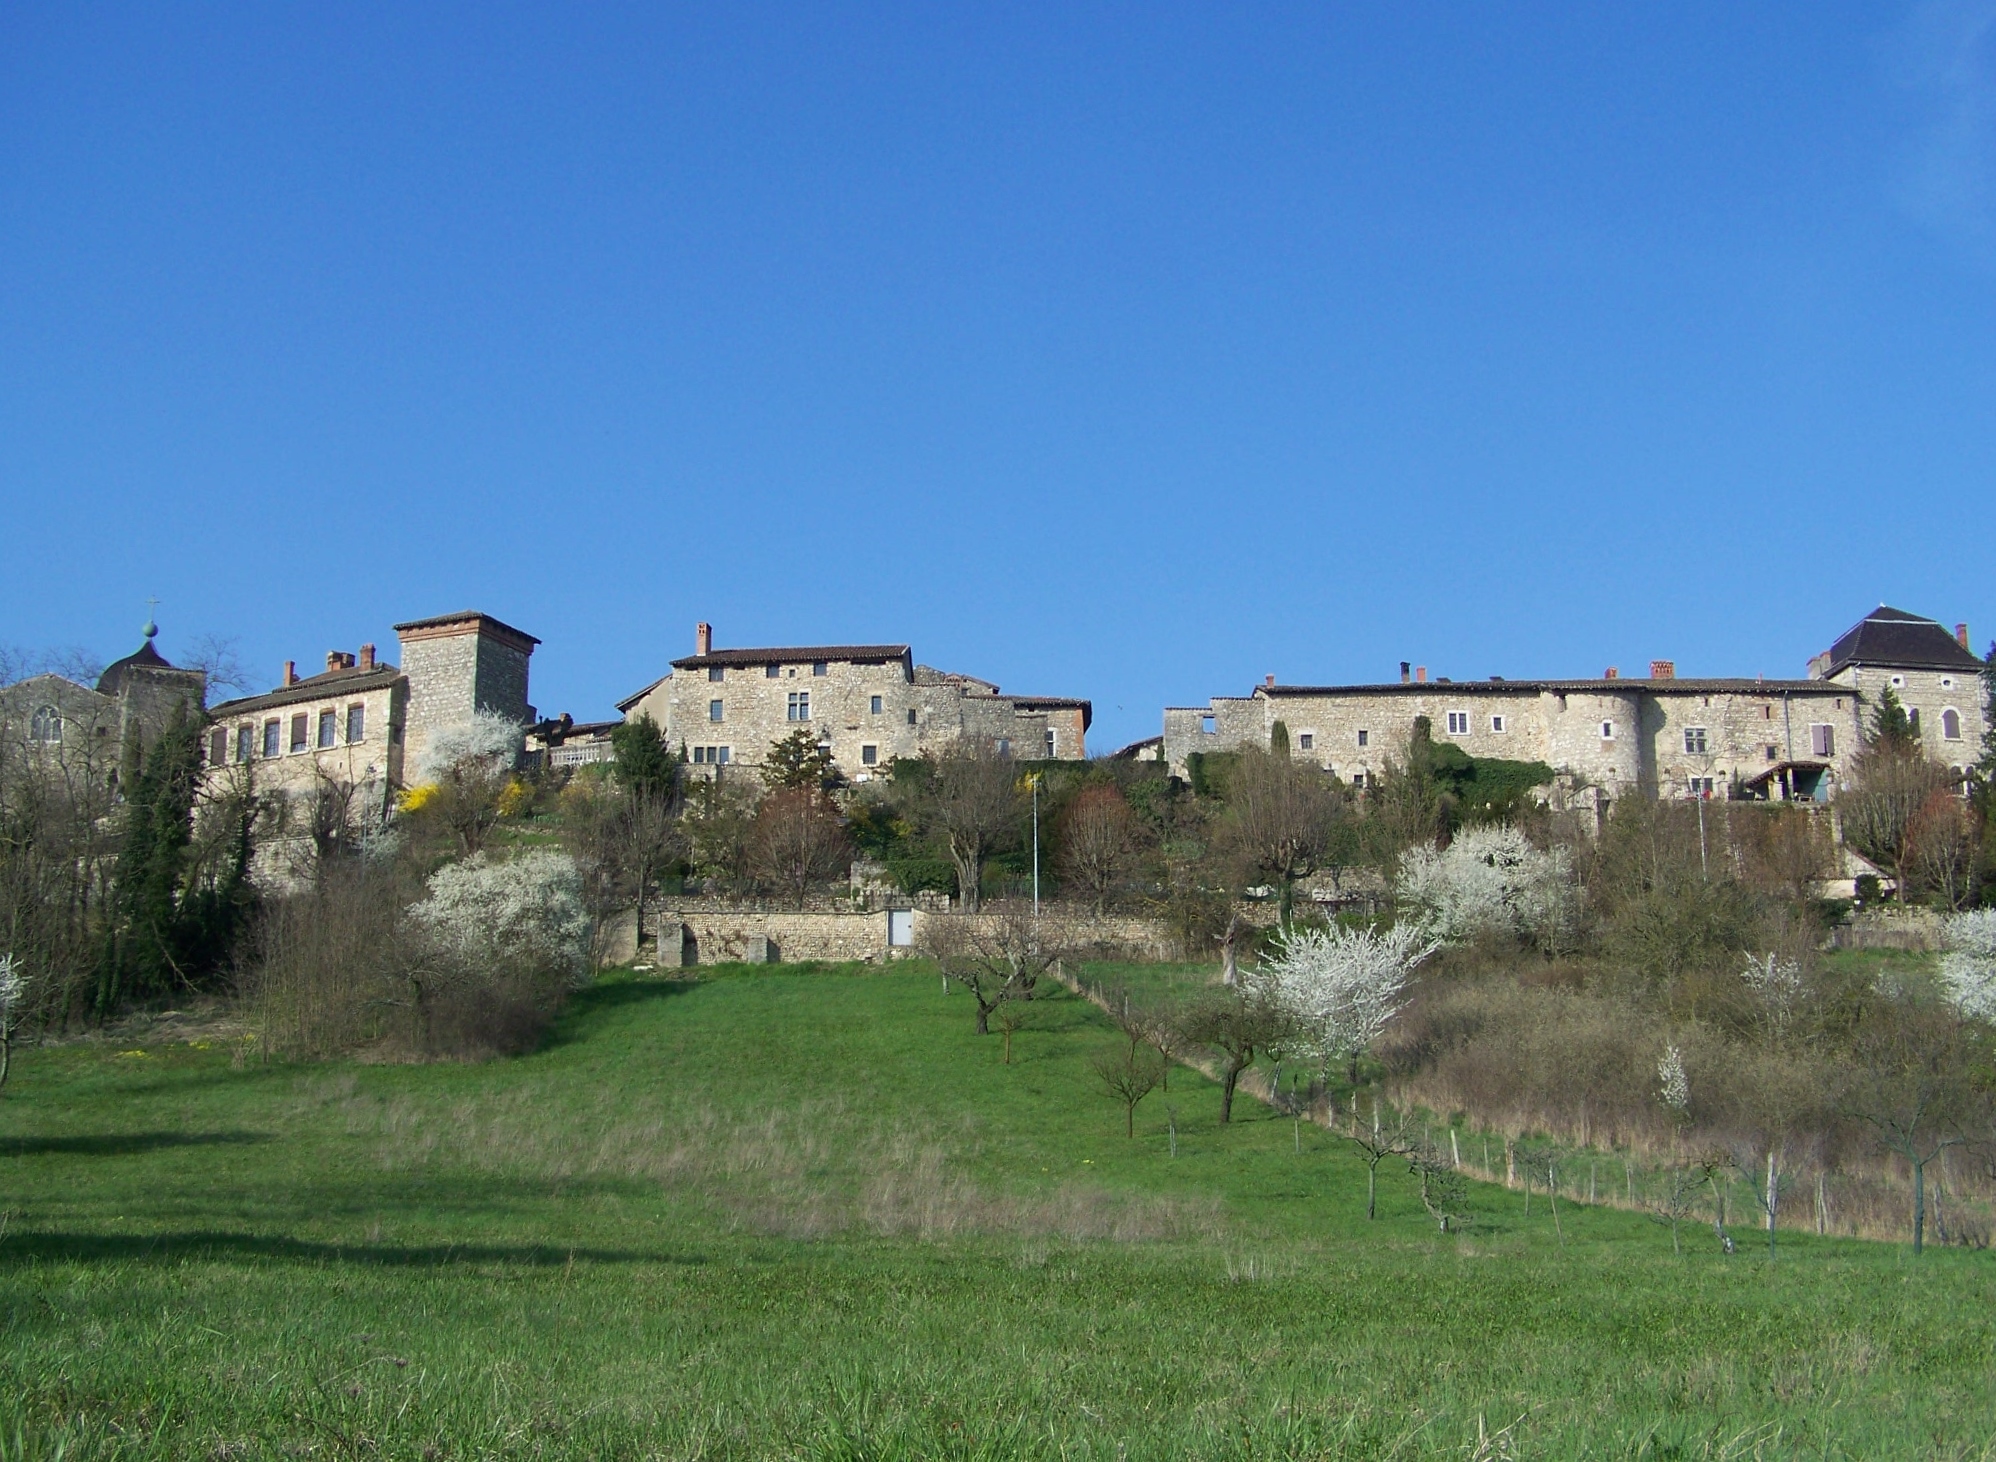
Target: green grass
(807, 1213)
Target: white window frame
(1457, 722)
(1306, 741)
(1607, 730)
(869, 755)
(1946, 713)
(1497, 725)
(797, 709)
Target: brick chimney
(290, 672)
(335, 660)
(703, 638)
(1663, 670)
(367, 657)
(1420, 675)
(1611, 673)
(1406, 672)
(1269, 681)
(1961, 636)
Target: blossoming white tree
(485, 736)
(1490, 879)
(527, 909)
(1341, 987)
(1968, 962)
(12, 987)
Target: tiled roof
(486, 621)
(1683, 685)
(1055, 703)
(1889, 636)
(794, 655)
(332, 683)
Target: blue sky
(1129, 352)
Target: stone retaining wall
(700, 935)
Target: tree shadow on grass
(122, 1144)
(215, 1244)
(587, 1007)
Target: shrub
(1489, 880)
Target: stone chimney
(290, 672)
(367, 657)
(1961, 637)
(1420, 675)
(1406, 672)
(1611, 673)
(335, 660)
(1663, 670)
(1269, 681)
(703, 638)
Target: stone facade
(102, 732)
(1933, 673)
(458, 664)
(869, 703)
(1683, 738)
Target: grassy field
(808, 1213)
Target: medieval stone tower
(457, 664)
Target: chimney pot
(335, 660)
(1611, 673)
(1663, 670)
(1405, 671)
(290, 672)
(367, 657)
(703, 638)
(1420, 675)
(1961, 635)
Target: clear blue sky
(1123, 352)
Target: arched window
(46, 724)
(1951, 724)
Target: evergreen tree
(1278, 738)
(146, 956)
(799, 760)
(645, 762)
(1891, 728)
(1987, 765)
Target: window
(1051, 743)
(712, 756)
(911, 717)
(1364, 738)
(1767, 713)
(1458, 723)
(1701, 786)
(1947, 682)
(356, 724)
(819, 668)
(300, 724)
(45, 725)
(329, 729)
(1358, 779)
(245, 742)
(715, 710)
(1004, 746)
(218, 746)
(772, 671)
(722, 754)
(874, 705)
(869, 756)
(1913, 718)
(271, 733)
(1497, 724)
(799, 706)
(1607, 730)
(1307, 741)
(1773, 751)
(717, 672)
(1823, 740)
(1898, 682)
(1694, 740)
(1209, 726)
(1951, 724)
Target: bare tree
(1941, 847)
(1915, 1089)
(1391, 1134)
(1101, 842)
(997, 958)
(1676, 1198)
(1888, 790)
(1443, 1192)
(1281, 817)
(1130, 1075)
(720, 822)
(1236, 1024)
(970, 798)
(799, 839)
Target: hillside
(809, 1213)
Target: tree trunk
(1227, 1084)
(1008, 1045)
(984, 1018)
(1371, 1189)
(1773, 1202)
(1130, 1120)
(6, 1055)
(1230, 973)
(1919, 1206)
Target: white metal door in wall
(900, 928)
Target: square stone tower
(457, 664)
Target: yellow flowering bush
(416, 798)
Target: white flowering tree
(1776, 985)
(484, 736)
(1968, 962)
(459, 778)
(1489, 880)
(12, 987)
(525, 910)
(1341, 987)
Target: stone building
(1682, 738)
(110, 725)
(1934, 674)
(352, 736)
(868, 703)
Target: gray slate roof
(1889, 636)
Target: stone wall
(714, 935)
(1933, 693)
(458, 668)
